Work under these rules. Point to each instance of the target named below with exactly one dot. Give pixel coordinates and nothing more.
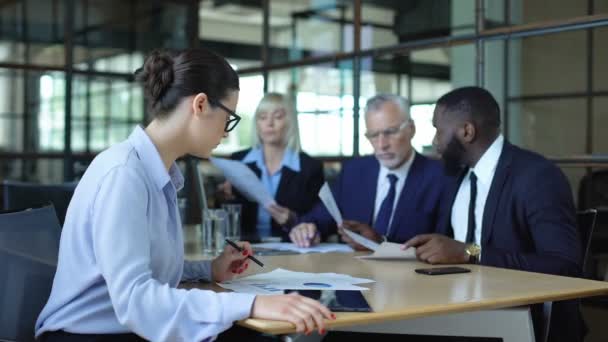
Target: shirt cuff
(197, 270)
(237, 306)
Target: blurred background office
(67, 90)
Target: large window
(66, 85)
(544, 64)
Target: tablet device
(338, 300)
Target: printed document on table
(391, 251)
(292, 247)
(242, 178)
(330, 203)
(279, 280)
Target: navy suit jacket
(297, 191)
(355, 193)
(529, 224)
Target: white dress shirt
(384, 186)
(121, 256)
(484, 170)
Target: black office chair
(21, 195)
(586, 225)
(29, 244)
(585, 221)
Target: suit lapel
(255, 169)
(500, 177)
(409, 193)
(369, 184)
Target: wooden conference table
(469, 304)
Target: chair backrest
(586, 224)
(29, 245)
(21, 195)
(593, 190)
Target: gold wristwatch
(473, 250)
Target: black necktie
(471, 225)
(386, 208)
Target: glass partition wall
(67, 89)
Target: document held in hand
(242, 178)
(330, 203)
(385, 250)
(390, 250)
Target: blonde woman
(290, 175)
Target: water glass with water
(215, 222)
(233, 212)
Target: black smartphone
(442, 270)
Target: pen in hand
(240, 249)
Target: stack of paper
(292, 247)
(279, 280)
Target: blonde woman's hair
(269, 103)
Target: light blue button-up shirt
(291, 160)
(121, 256)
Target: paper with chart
(241, 177)
(390, 250)
(330, 203)
(279, 280)
(292, 247)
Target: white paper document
(292, 247)
(363, 241)
(391, 251)
(279, 280)
(330, 203)
(245, 180)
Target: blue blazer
(529, 224)
(355, 193)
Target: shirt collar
(401, 172)
(150, 157)
(291, 159)
(486, 166)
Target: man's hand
(305, 235)
(361, 229)
(438, 249)
(231, 262)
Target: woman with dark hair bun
(121, 253)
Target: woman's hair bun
(156, 75)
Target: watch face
(473, 249)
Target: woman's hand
(280, 213)
(231, 262)
(303, 312)
(225, 192)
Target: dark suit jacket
(355, 193)
(529, 224)
(297, 191)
